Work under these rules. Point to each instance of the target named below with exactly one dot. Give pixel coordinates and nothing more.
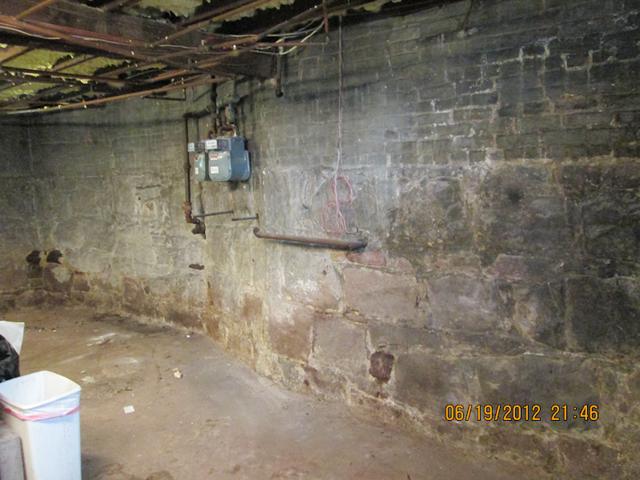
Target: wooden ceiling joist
(85, 27)
(116, 4)
(35, 8)
(11, 53)
(37, 75)
(159, 56)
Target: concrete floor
(220, 420)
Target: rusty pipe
(313, 242)
(199, 227)
(213, 214)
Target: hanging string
(333, 218)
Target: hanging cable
(282, 52)
(333, 218)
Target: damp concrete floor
(220, 420)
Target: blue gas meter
(223, 159)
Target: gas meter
(221, 159)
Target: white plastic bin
(43, 408)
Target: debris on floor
(219, 416)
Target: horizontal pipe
(124, 96)
(226, 212)
(239, 219)
(313, 242)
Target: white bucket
(43, 408)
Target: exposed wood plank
(115, 98)
(15, 80)
(74, 36)
(36, 75)
(35, 8)
(10, 53)
(116, 4)
(83, 17)
(112, 27)
(14, 39)
(216, 15)
(61, 66)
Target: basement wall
(495, 173)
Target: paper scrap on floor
(13, 332)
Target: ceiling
(67, 54)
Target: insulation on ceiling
(22, 89)
(178, 7)
(273, 4)
(186, 8)
(91, 66)
(38, 59)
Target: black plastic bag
(9, 361)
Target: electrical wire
(13, 29)
(333, 218)
(282, 52)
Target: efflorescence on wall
(494, 169)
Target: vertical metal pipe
(187, 164)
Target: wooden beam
(82, 17)
(36, 8)
(37, 74)
(130, 48)
(115, 98)
(116, 4)
(19, 80)
(216, 15)
(89, 39)
(10, 53)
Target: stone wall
(493, 167)
(18, 230)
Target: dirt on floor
(201, 414)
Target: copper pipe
(249, 39)
(215, 15)
(36, 74)
(313, 242)
(116, 98)
(214, 214)
(20, 80)
(74, 37)
(36, 8)
(243, 219)
(307, 15)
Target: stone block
(540, 379)
(603, 314)
(516, 268)
(377, 294)
(428, 382)
(291, 336)
(369, 258)
(521, 212)
(584, 458)
(437, 200)
(399, 338)
(80, 282)
(340, 345)
(309, 278)
(463, 302)
(539, 313)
